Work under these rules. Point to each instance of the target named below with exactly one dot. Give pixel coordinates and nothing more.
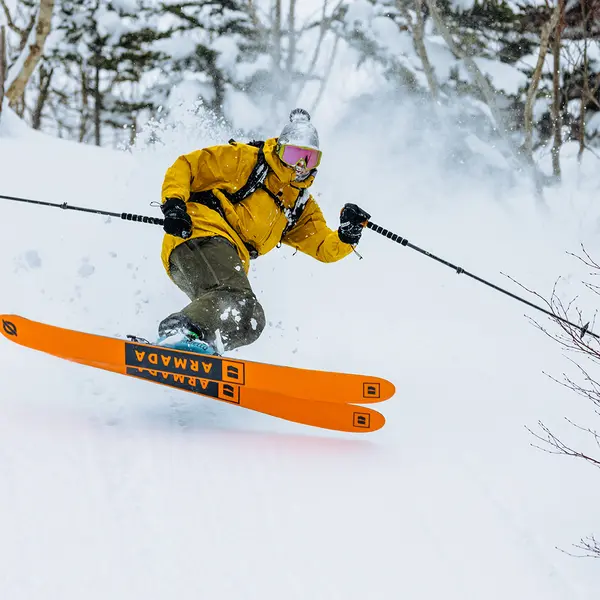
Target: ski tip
(388, 389)
(9, 326)
(366, 420)
(375, 389)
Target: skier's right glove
(177, 221)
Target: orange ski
(327, 415)
(119, 356)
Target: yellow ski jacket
(257, 221)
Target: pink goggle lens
(293, 155)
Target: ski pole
(125, 216)
(460, 271)
(370, 225)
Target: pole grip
(142, 219)
(387, 233)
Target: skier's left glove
(352, 222)
(177, 221)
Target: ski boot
(179, 333)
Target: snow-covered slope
(116, 488)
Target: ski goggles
(295, 156)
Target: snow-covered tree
(227, 52)
(99, 60)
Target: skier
(224, 205)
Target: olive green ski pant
(223, 305)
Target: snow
(518, 4)
(125, 6)
(111, 24)
(189, 88)
(113, 487)
(541, 106)
(228, 50)
(504, 77)
(245, 69)
(592, 124)
(388, 35)
(492, 156)
(463, 4)
(440, 56)
(574, 107)
(178, 47)
(359, 12)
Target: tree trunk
(586, 84)
(2, 65)
(556, 93)
(291, 57)
(535, 80)
(45, 79)
(419, 42)
(97, 104)
(277, 36)
(218, 83)
(32, 54)
(277, 84)
(85, 103)
(134, 128)
(290, 62)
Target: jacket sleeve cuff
(173, 204)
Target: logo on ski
(214, 389)
(371, 390)
(9, 328)
(184, 363)
(233, 372)
(361, 420)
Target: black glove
(177, 221)
(352, 222)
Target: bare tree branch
(27, 31)
(326, 75)
(323, 27)
(590, 547)
(418, 36)
(571, 339)
(253, 14)
(553, 445)
(11, 24)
